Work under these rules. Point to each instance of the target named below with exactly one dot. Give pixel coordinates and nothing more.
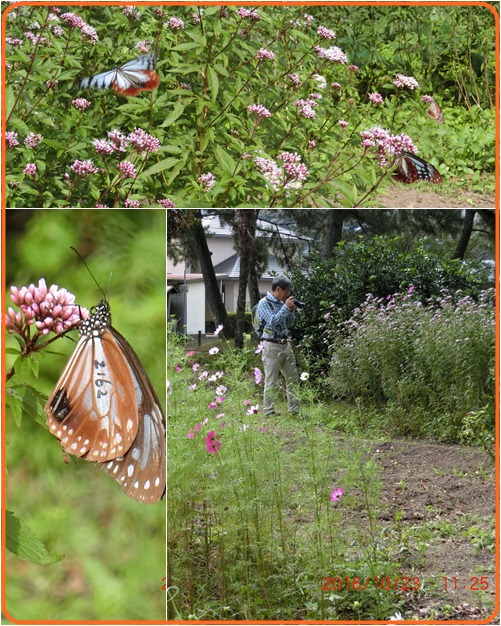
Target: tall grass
(252, 530)
(426, 366)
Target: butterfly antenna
(88, 269)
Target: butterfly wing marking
(143, 62)
(103, 80)
(141, 470)
(94, 409)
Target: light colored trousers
(279, 357)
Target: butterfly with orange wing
(105, 410)
(129, 79)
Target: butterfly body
(411, 168)
(105, 410)
(129, 79)
(435, 112)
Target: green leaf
(165, 164)
(22, 541)
(224, 159)
(213, 82)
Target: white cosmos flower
(304, 376)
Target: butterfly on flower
(105, 410)
(411, 168)
(129, 79)
(435, 112)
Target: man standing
(277, 312)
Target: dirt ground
(450, 491)
(424, 196)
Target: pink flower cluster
(80, 103)
(259, 110)
(82, 168)
(405, 82)
(387, 146)
(143, 46)
(207, 180)
(32, 140)
(264, 55)
(77, 22)
(306, 107)
(326, 33)
(333, 54)
(11, 139)
(51, 310)
(118, 142)
(30, 169)
(295, 80)
(127, 169)
(376, 98)
(294, 169)
(245, 14)
(175, 23)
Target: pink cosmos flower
(257, 375)
(212, 405)
(212, 445)
(337, 494)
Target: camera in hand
(299, 304)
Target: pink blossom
(32, 140)
(50, 310)
(405, 82)
(11, 139)
(294, 78)
(257, 375)
(195, 366)
(376, 98)
(245, 14)
(175, 23)
(212, 445)
(207, 180)
(142, 141)
(30, 169)
(84, 167)
(212, 405)
(259, 110)
(326, 33)
(127, 169)
(333, 54)
(337, 494)
(166, 203)
(263, 54)
(80, 103)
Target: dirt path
(427, 198)
(438, 501)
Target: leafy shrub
(426, 366)
(334, 288)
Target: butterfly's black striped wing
(411, 168)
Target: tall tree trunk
(212, 292)
(245, 227)
(253, 280)
(333, 231)
(469, 217)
